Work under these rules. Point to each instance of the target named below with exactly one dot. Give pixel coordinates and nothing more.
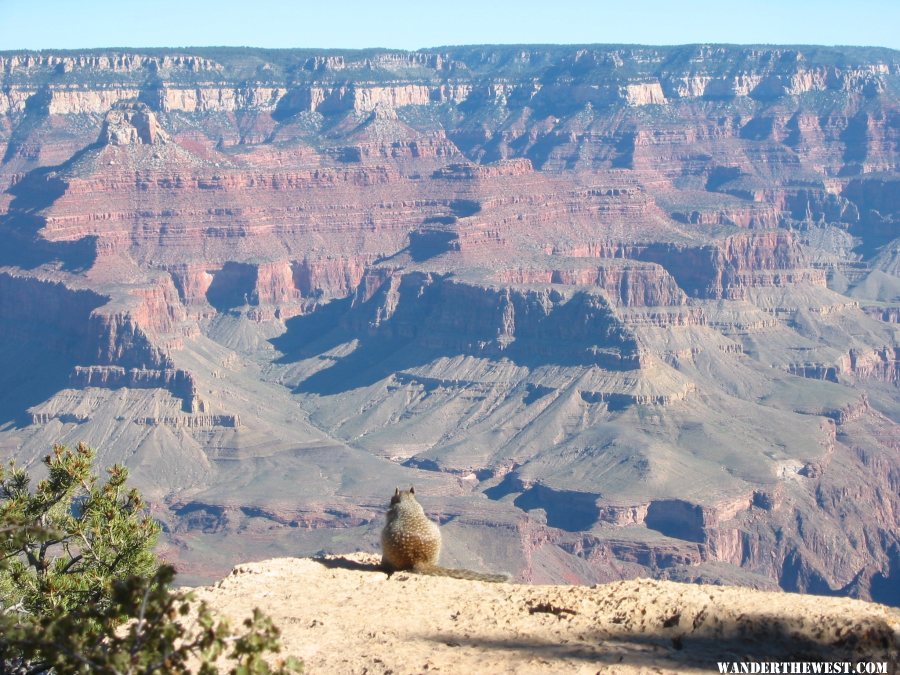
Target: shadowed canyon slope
(614, 311)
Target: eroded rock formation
(617, 311)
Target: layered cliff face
(618, 311)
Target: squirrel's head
(400, 495)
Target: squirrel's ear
(396, 492)
(412, 490)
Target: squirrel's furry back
(412, 542)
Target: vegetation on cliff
(82, 591)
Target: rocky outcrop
(531, 326)
(139, 378)
(193, 421)
(125, 62)
(48, 314)
(194, 82)
(631, 284)
(723, 268)
(644, 93)
(879, 364)
(888, 314)
(130, 125)
(228, 214)
(159, 308)
(580, 281)
(77, 325)
(333, 277)
(179, 382)
(116, 339)
(510, 167)
(282, 285)
(739, 262)
(638, 624)
(875, 364)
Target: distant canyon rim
(615, 311)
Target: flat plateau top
(340, 614)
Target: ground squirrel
(410, 541)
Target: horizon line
(452, 46)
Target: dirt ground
(343, 615)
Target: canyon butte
(615, 311)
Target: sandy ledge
(341, 615)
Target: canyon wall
(619, 311)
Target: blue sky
(407, 24)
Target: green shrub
(81, 590)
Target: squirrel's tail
(438, 571)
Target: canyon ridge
(615, 311)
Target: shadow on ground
(21, 244)
(341, 563)
(424, 327)
(29, 376)
(759, 638)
